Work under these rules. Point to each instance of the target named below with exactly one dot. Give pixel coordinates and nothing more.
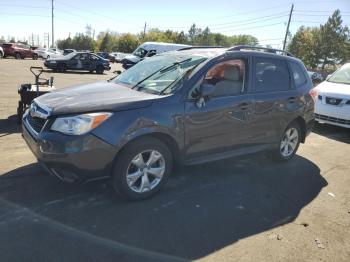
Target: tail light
(313, 93)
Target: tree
(128, 43)
(334, 41)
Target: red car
(19, 51)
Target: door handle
(292, 99)
(244, 106)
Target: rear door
(276, 100)
(222, 123)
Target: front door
(222, 122)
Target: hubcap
(145, 171)
(289, 142)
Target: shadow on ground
(9, 126)
(337, 133)
(202, 209)
(74, 72)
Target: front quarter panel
(164, 116)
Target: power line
(280, 23)
(23, 14)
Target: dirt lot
(247, 209)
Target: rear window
(271, 75)
(298, 74)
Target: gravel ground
(245, 209)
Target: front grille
(333, 119)
(36, 123)
(333, 101)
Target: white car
(47, 53)
(333, 101)
(1, 53)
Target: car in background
(68, 51)
(149, 49)
(19, 51)
(190, 106)
(1, 53)
(78, 61)
(333, 98)
(47, 53)
(118, 56)
(315, 77)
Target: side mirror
(151, 53)
(329, 76)
(205, 91)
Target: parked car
(19, 51)
(149, 49)
(47, 53)
(68, 51)
(333, 103)
(1, 53)
(78, 61)
(188, 107)
(315, 77)
(118, 57)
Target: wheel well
(302, 124)
(166, 139)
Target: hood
(132, 58)
(98, 96)
(334, 89)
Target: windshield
(140, 52)
(159, 73)
(342, 76)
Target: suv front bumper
(71, 158)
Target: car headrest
(231, 73)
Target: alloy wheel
(289, 142)
(145, 171)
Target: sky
(264, 19)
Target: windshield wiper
(162, 70)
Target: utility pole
(287, 31)
(52, 27)
(144, 30)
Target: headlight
(80, 124)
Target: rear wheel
(18, 56)
(1, 55)
(289, 143)
(141, 169)
(99, 70)
(35, 56)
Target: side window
(227, 77)
(298, 74)
(271, 75)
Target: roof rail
(259, 48)
(198, 47)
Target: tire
(35, 57)
(143, 184)
(61, 68)
(289, 143)
(1, 55)
(18, 56)
(99, 70)
(48, 57)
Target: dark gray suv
(189, 106)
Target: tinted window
(271, 75)
(298, 74)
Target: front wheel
(18, 56)
(99, 70)
(289, 143)
(141, 169)
(35, 57)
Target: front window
(342, 76)
(140, 52)
(158, 74)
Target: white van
(148, 49)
